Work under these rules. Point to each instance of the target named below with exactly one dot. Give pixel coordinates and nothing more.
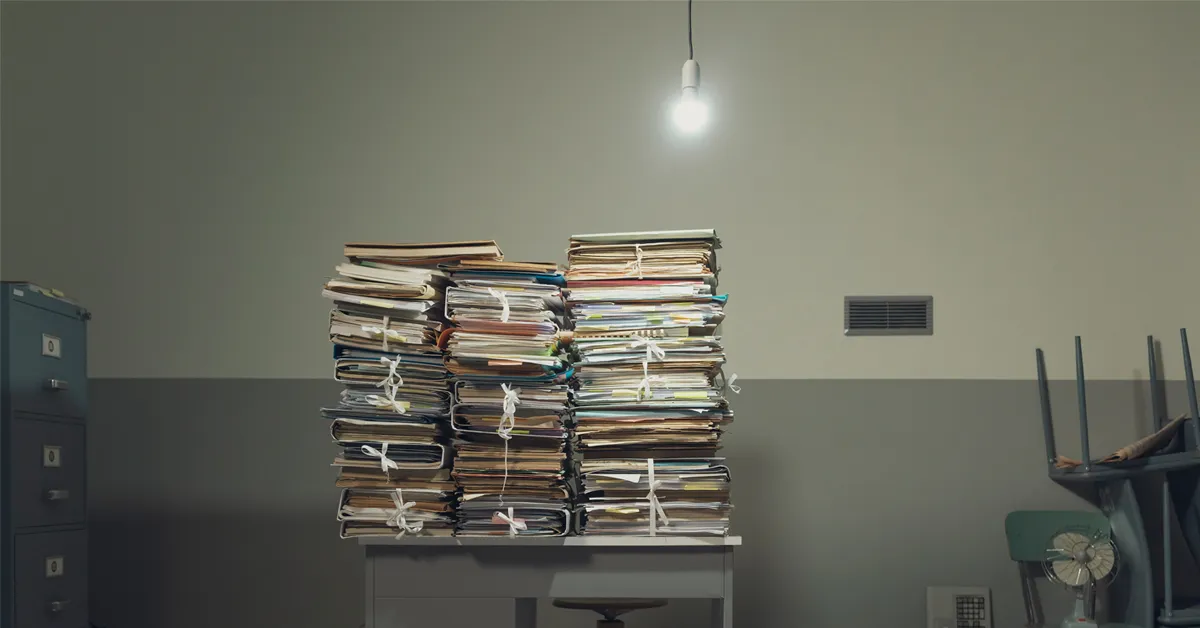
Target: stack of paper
(651, 399)
(692, 496)
(392, 422)
(511, 408)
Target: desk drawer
(47, 362)
(48, 476)
(547, 571)
(50, 580)
(456, 613)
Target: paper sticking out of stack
(393, 420)
(511, 410)
(651, 399)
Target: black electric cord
(691, 49)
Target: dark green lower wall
(212, 503)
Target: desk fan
(1079, 559)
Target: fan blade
(1103, 559)
(1068, 541)
(1070, 572)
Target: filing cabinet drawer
(50, 580)
(48, 472)
(47, 361)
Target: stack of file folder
(650, 404)
(393, 420)
(511, 413)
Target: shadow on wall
(221, 511)
(153, 569)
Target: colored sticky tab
(691, 394)
(391, 336)
(384, 403)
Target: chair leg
(526, 612)
(1033, 605)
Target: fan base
(1079, 618)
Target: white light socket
(691, 75)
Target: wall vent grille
(889, 316)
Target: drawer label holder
(54, 566)
(51, 456)
(51, 346)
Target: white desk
(408, 574)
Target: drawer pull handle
(58, 606)
(57, 494)
(56, 384)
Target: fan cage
(1093, 537)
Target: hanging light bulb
(691, 112)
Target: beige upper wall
(189, 171)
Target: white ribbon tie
(737, 390)
(393, 378)
(514, 524)
(383, 332)
(647, 378)
(653, 352)
(503, 299)
(385, 463)
(391, 385)
(398, 520)
(657, 512)
(508, 421)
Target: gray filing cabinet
(43, 460)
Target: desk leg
(370, 590)
(722, 608)
(722, 612)
(526, 612)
